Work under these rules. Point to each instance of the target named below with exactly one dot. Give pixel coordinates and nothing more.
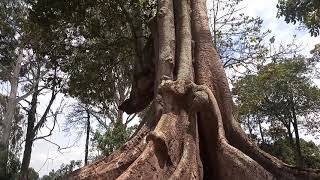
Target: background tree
(62, 171)
(305, 12)
(12, 15)
(33, 175)
(240, 40)
(80, 118)
(99, 49)
(284, 96)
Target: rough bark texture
(193, 134)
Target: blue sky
(46, 157)
(283, 32)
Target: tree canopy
(306, 12)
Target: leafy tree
(32, 174)
(80, 118)
(240, 40)
(64, 169)
(100, 44)
(306, 12)
(113, 138)
(284, 95)
(12, 14)
(282, 150)
(103, 37)
(46, 81)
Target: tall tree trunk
(32, 112)
(10, 109)
(87, 139)
(261, 131)
(249, 127)
(299, 161)
(193, 134)
(33, 126)
(292, 144)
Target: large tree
(192, 134)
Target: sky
(45, 156)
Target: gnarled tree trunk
(193, 134)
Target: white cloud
(267, 10)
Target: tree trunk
(30, 133)
(249, 127)
(193, 134)
(261, 131)
(33, 126)
(299, 161)
(292, 145)
(87, 139)
(10, 109)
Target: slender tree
(35, 122)
(80, 118)
(12, 58)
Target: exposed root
(190, 166)
(280, 169)
(112, 166)
(168, 154)
(258, 164)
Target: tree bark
(249, 127)
(299, 161)
(30, 132)
(10, 108)
(261, 131)
(193, 134)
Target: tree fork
(193, 134)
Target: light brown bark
(193, 134)
(10, 108)
(11, 103)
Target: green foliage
(235, 34)
(11, 22)
(32, 174)
(306, 12)
(62, 171)
(282, 150)
(93, 39)
(13, 167)
(311, 154)
(272, 91)
(113, 138)
(241, 41)
(9, 160)
(282, 96)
